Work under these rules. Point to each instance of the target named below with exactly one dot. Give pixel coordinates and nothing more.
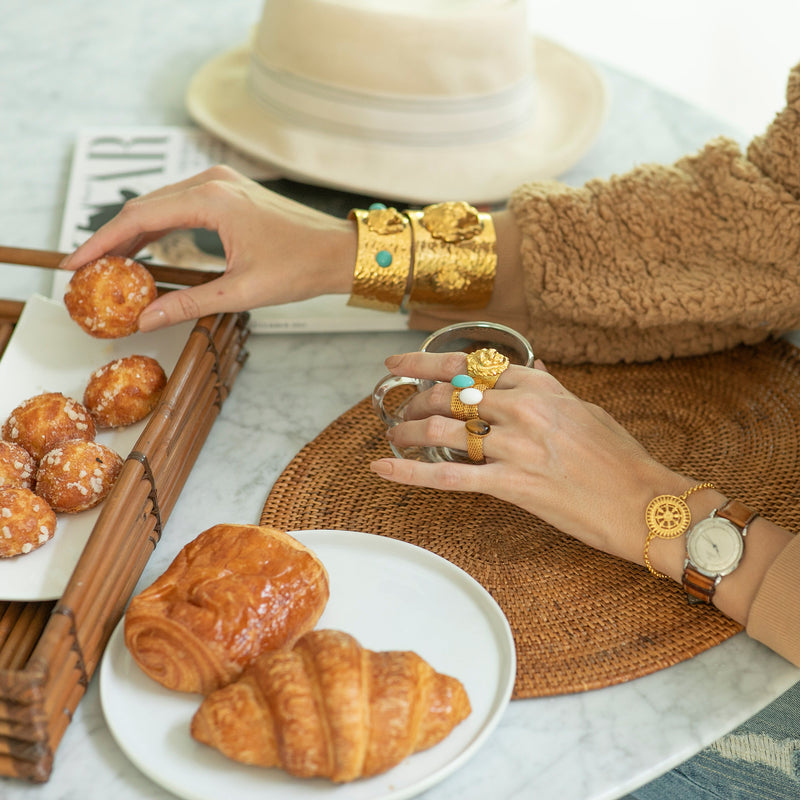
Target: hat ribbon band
(406, 119)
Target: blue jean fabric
(759, 760)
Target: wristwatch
(714, 548)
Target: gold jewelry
(667, 517)
(454, 256)
(477, 430)
(383, 261)
(486, 365)
(466, 410)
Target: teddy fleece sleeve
(664, 260)
(774, 618)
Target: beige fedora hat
(414, 100)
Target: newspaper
(113, 164)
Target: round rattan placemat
(581, 620)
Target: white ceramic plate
(48, 352)
(389, 595)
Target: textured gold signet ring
(486, 366)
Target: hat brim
(571, 106)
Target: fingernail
(151, 319)
(390, 433)
(392, 361)
(382, 467)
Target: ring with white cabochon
(465, 397)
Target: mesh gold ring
(464, 402)
(486, 365)
(477, 430)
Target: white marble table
(79, 63)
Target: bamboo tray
(50, 650)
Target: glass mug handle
(382, 388)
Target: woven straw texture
(581, 620)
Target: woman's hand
(549, 452)
(277, 250)
(569, 463)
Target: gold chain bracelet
(667, 517)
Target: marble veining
(83, 63)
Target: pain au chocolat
(233, 593)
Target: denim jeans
(759, 760)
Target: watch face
(714, 546)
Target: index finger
(428, 366)
(184, 204)
(137, 224)
(439, 366)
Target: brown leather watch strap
(737, 512)
(699, 587)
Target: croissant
(331, 708)
(229, 595)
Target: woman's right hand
(276, 250)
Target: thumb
(186, 304)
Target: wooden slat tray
(50, 650)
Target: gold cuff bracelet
(454, 256)
(383, 261)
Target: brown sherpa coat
(666, 261)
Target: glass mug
(465, 337)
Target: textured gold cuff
(383, 261)
(454, 256)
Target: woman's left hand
(563, 459)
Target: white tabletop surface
(80, 63)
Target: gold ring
(477, 430)
(486, 365)
(464, 402)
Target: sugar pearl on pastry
(42, 422)
(77, 475)
(105, 297)
(124, 391)
(17, 467)
(26, 522)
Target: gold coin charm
(668, 516)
